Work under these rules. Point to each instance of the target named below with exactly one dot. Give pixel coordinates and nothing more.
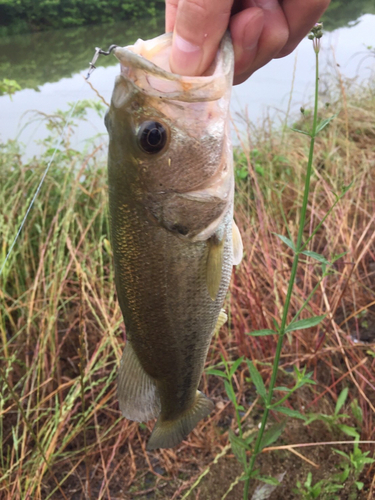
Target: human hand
(261, 30)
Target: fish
(174, 240)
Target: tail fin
(169, 433)
(136, 390)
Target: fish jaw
(146, 64)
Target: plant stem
(257, 447)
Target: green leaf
(282, 388)
(316, 256)
(304, 323)
(344, 475)
(257, 379)
(345, 189)
(341, 400)
(287, 241)
(324, 123)
(343, 454)
(272, 434)
(300, 131)
(254, 473)
(289, 412)
(359, 485)
(230, 392)
(357, 412)
(250, 439)
(338, 256)
(259, 169)
(308, 480)
(349, 431)
(261, 333)
(304, 381)
(218, 373)
(239, 447)
(234, 366)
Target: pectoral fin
(237, 244)
(214, 265)
(136, 390)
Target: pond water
(50, 68)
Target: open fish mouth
(146, 66)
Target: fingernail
(185, 57)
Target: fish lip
(189, 88)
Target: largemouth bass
(171, 188)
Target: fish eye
(152, 137)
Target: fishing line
(58, 144)
(92, 67)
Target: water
(51, 65)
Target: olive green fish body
(162, 290)
(170, 179)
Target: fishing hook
(98, 52)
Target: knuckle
(194, 8)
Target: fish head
(169, 134)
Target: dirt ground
(215, 484)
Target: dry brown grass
(61, 325)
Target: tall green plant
(298, 248)
(239, 444)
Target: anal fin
(137, 391)
(169, 433)
(220, 321)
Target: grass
(61, 330)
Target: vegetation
(20, 16)
(345, 12)
(8, 87)
(61, 330)
(57, 14)
(34, 59)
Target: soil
(279, 462)
(216, 483)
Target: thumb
(199, 28)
